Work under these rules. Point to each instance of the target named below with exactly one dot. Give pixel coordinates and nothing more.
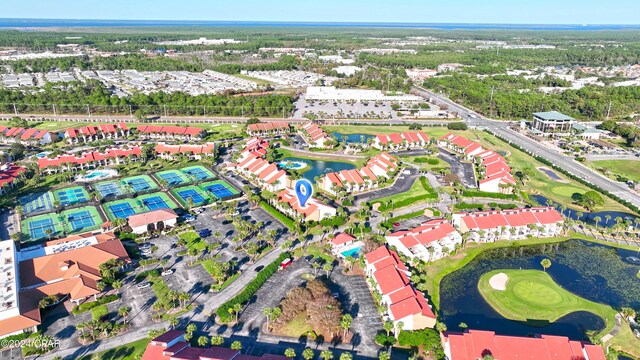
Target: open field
(626, 168)
(433, 131)
(533, 295)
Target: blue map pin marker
(304, 190)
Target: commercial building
(172, 345)
(552, 123)
(331, 93)
(476, 344)
(495, 173)
(378, 168)
(152, 220)
(430, 241)
(404, 140)
(513, 224)
(390, 278)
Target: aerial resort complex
(387, 181)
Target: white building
(152, 220)
(331, 93)
(430, 241)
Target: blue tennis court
(191, 194)
(80, 220)
(139, 184)
(71, 196)
(122, 210)
(171, 178)
(107, 189)
(219, 191)
(155, 202)
(36, 202)
(38, 228)
(198, 173)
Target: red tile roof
(475, 344)
(342, 238)
(150, 217)
(89, 157)
(484, 220)
(170, 130)
(9, 173)
(268, 126)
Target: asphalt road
(501, 129)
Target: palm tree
(384, 356)
(290, 353)
(237, 308)
(173, 322)
(345, 323)
(346, 356)
(217, 340)
(123, 312)
(597, 220)
(203, 341)
(308, 354)
(48, 232)
(546, 263)
(327, 267)
(236, 345)
(607, 218)
(326, 354)
(388, 326)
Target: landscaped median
(223, 312)
(420, 191)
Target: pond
(320, 167)
(588, 217)
(353, 138)
(611, 281)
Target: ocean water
(31, 23)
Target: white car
(167, 272)
(406, 172)
(144, 285)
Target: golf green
(533, 295)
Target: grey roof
(552, 115)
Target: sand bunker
(499, 281)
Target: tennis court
(140, 183)
(71, 196)
(220, 189)
(198, 173)
(158, 200)
(82, 219)
(109, 188)
(197, 196)
(121, 210)
(173, 177)
(36, 202)
(37, 227)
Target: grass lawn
(627, 168)
(99, 311)
(533, 295)
(193, 240)
(285, 153)
(128, 351)
(416, 190)
(433, 131)
(296, 327)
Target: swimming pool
(293, 165)
(354, 252)
(95, 175)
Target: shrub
(457, 126)
(383, 339)
(428, 338)
(278, 215)
(485, 194)
(251, 288)
(99, 312)
(79, 309)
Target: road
(501, 129)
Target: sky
(420, 11)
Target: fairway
(533, 295)
(627, 168)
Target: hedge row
(432, 195)
(278, 215)
(475, 206)
(254, 285)
(485, 194)
(389, 223)
(573, 177)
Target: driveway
(403, 184)
(464, 170)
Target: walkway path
(614, 331)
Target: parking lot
(464, 170)
(402, 184)
(339, 109)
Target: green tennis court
(198, 173)
(157, 200)
(42, 227)
(220, 189)
(197, 196)
(172, 177)
(71, 196)
(83, 219)
(140, 183)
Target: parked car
(396, 224)
(189, 218)
(167, 272)
(145, 246)
(285, 263)
(259, 268)
(204, 233)
(144, 285)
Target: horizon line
(320, 22)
